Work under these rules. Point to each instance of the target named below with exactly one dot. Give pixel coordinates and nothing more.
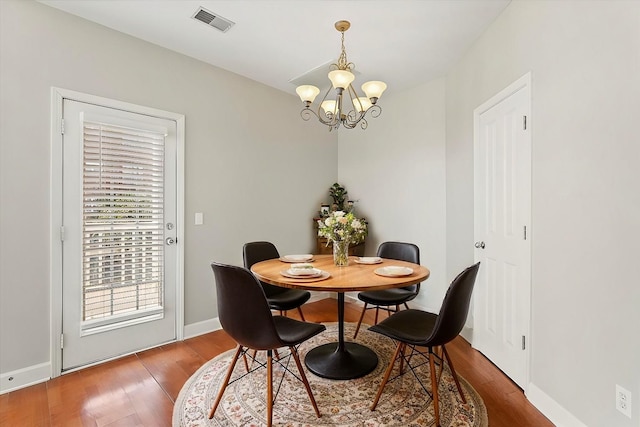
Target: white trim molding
(25, 377)
(551, 409)
(201, 328)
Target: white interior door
(502, 152)
(119, 224)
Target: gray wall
(584, 57)
(253, 175)
(396, 169)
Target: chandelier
(332, 111)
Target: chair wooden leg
(364, 310)
(375, 322)
(406, 306)
(294, 353)
(386, 376)
(246, 364)
(434, 386)
(226, 381)
(269, 387)
(453, 372)
(402, 353)
(397, 310)
(438, 352)
(301, 315)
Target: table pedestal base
(351, 361)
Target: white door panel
(502, 220)
(119, 207)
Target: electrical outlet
(623, 400)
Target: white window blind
(123, 223)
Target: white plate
(319, 274)
(303, 272)
(297, 258)
(393, 271)
(368, 260)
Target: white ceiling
(402, 42)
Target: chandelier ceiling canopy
(347, 110)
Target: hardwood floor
(139, 390)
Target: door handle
(170, 240)
(479, 245)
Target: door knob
(170, 240)
(479, 245)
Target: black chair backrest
(243, 309)
(455, 307)
(403, 252)
(254, 252)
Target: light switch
(199, 218)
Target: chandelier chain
(342, 60)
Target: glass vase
(341, 253)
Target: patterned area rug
(341, 403)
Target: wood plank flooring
(140, 390)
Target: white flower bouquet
(342, 226)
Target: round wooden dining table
(341, 360)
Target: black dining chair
(245, 315)
(387, 298)
(281, 299)
(416, 328)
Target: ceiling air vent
(213, 20)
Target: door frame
(57, 97)
(523, 82)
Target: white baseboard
(25, 377)
(200, 328)
(552, 409)
(467, 334)
(317, 296)
(353, 297)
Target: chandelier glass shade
(347, 108)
